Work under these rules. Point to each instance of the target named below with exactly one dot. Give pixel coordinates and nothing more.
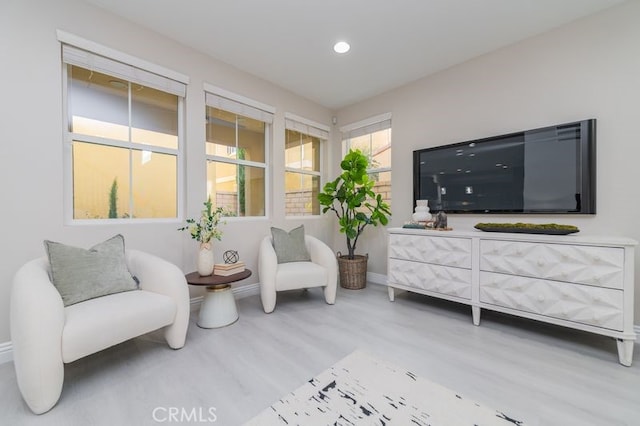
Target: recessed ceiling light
(341, 47)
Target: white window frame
(309, 128)
(365, 127)
(247, 107)
(177, 83)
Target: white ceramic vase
(422, 213)
(205, 259)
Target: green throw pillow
(290, 246)
(80, 274)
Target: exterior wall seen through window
(302, 173)
(236, 162)
(377, 147)
(124, 142)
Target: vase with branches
(204, 229)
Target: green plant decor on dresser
(528, 228)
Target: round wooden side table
(218, 308)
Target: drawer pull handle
(540, 298)
(540, 262)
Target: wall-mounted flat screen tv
(548, 170)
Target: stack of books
(226, 269)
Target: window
(122, 138)
(373, 138)
(303, 148)
(236, 147)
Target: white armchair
(45, 334)
(321, 271)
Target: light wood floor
(543, 374)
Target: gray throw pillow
(80, 274)
(290, 246)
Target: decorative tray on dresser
(580, 282)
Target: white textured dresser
(575, 281)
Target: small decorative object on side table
(219, 306)
(230, 256)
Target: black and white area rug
(362, 390)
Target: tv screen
(547, 170)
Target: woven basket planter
(353, 272)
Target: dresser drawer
(601, 307)
(436, 250)
(596, 266)
(425, 276)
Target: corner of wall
(375, 278)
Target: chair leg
(176, 335)
(40, 385)
(268, 301)
(330, 294)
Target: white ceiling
(289, 42)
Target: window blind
(230, 105)
(94, 62)
(366, 129)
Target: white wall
(588, 69)
(31, 139)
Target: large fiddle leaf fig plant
(351, 197)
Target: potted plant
(351, 197)
(204, 230)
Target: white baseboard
(6, 348)
(6, 352)
(246, 290)
(238, 292)
(374, 278)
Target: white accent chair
(45, 334)
(322, 271)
